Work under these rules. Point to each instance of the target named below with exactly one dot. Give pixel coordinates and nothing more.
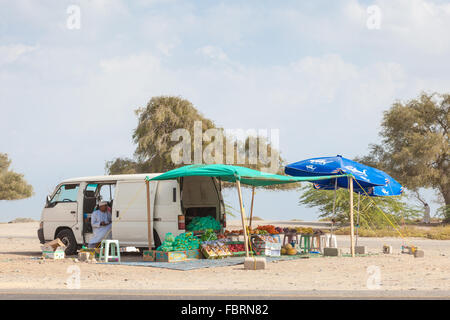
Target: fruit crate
(207, 255)
(263, 252)
(213, 256)
(236, 253)
(275, 253)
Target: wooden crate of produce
(236, 248)
(193, 254)
(263, 251)
(163, 256)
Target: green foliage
(157, 121)
(395, 208)
(437, 232)
(12, 185)
(415, 146)
(122, 166)
(444, 213)
(230, 210)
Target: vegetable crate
(236, 253)
(93, 252)
(275, 249)
(163, 256)
(266, 251)
(193, 254)
(171, 256)
(209, 255)
(261, 248)
(56, 255)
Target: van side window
(107, 192)
(91, 187)
(66, 193)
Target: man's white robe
(100, 232)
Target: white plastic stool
(110, 251)
(330, 241)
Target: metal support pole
(149, 220)
(357, 218)
(251, 208)
(244, 227)
(352, 243)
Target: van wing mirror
(48, 203)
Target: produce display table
(266, 241)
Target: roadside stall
(205, 237)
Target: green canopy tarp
(233, 173)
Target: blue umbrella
(369, 180)
(365, 176)
(391, 187)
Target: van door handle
(73, 212)
(157, 219)
(117, 213)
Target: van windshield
(66, 193)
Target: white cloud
(11, 53)
(165, 48)
(213, 52)
(418, 24)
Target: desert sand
(21, 268)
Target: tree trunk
(447, 198)
(445, 191)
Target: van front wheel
(66, 236)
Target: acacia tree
(157, 122)
(12, 185)
(152, 136)
(415, 145)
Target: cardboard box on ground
(53, 250)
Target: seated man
(101, 224)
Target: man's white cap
(102, 203)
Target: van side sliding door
(129, 212)
(167, 208)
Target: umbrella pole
(334, 210)
(357, 219)
(238, 184)
(352, 244)
(149, 220)
(251, 209)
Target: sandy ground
(20, 268)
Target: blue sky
(313, 70)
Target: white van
(67, 213)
